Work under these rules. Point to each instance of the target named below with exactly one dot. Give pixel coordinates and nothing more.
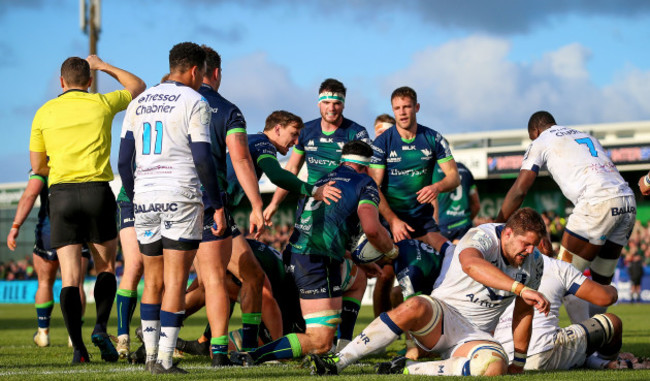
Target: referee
(71, 143)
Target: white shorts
(456, 331)
(569, 350)
(175, 216)
(610, 220)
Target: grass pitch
(21, 360)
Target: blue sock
(349, 315)
(250, 330)
(44, 312)
(126, 302)
(286, 347)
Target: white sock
(340, 344)
(576, 308)
(453, 366)
(377, 335)
(596, 362)
(168, 337)
(150, 338)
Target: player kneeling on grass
(322, 232)
(474, 291)
(593, 343)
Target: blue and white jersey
(163, 121)
(480, 304)
(322, 150)
(408, 166)
(578, 163)
(560, 278)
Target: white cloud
(470, 84)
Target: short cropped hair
(541, 120)
(332, 85)
(385, 118)
(283, 118)
(357, 147)
(404, 92)
(212, 59)
(75, 71)
(527, 220)
(184, 56)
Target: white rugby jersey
(578, 164)
(480, 304)
(164, 120)
(560, 278)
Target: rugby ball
(364, 252)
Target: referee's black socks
(105, 289)
(71, 309)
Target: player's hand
(268, 213)
(645, 190)
(400, 230)
(219, 226)
(514, 369)
(94, 62)
(427, 194)
(257, 223)
(537, 300)
(11, 239)
(327, 193)
(372, 270)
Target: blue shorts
(422, 222)
(42, 246)
(208, 221)
(457, 232)
(316, 276)
(125, 214)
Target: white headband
(362, 160)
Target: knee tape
(435, 316)
(327, 318)
(576, 260)
(604, 267)
(600, 331)
(480, 357)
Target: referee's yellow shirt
(75, 132)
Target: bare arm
(516, 194)
(522, 324)
(131, 82)
(644, 184)
(596, 293)
(474, 264)
(245, 170)
(448, 183)
(474, 204)
(25, 205)
(39, 163)
(294, 164)
(376, 234)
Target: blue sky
(476, 65)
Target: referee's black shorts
(82, 212)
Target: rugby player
(70, 143)
(605, 209)
(492, 265)
(46, 261)
(455, 210)
(127, 292)
(403, 167)
(552, 347)
(164, 153)
(317, 248)
(216, 254)
(322, 139)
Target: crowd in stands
(636, 252)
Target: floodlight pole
(91, 24)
